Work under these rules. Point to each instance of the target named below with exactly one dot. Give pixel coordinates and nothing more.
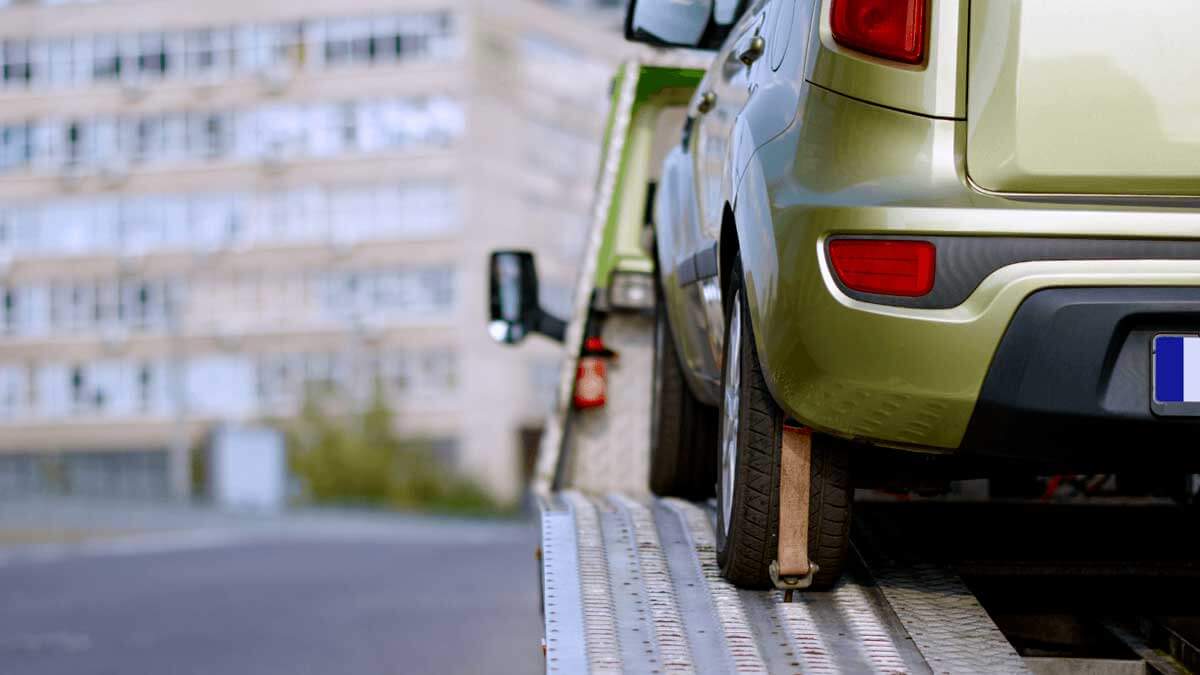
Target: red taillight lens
(887, 267)
(890, 29)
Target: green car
(951, 238)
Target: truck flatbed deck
(631, 585)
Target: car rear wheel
(751, 440)
(682, 429)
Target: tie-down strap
(792, 569)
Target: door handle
(753, 51)
(708, 101)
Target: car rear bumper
(1071, 381)
(1044, 360)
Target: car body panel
(728, 80)
(676, 235)
(754, 104)
(1085, 97)
(935, 87)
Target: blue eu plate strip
(1168, 369)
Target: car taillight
(887, 267)
(889, 29)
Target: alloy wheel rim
(731, 400)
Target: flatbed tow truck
(953, 584)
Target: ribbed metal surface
(599, 612)
(874, 641)
(648, 598)
(811, 639)
(740, 637)
(657, 591)
(562, 604)
(635, 631)
(946, 622)
(704, 634)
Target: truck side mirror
(515, 309)
(669, 23)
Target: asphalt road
(414, 596)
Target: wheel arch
(748, 233)
(727, 247)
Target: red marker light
(889, 29)
(888, 267)
(591, 375)
(591, 383)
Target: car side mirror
(515, 308)
(670, 23)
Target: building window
(107, 63)
(208, 135)
(338, 39)
(285, 45)
(152, 58)
(80, 400)
(17, 71)
(14, 393)
(145, 390)
(136, 225)
(437, 284)
(9, 308)
(209, 52)
(362, 47)
(75, 144)
(16, 146)
(348, 126)
(422, 374)
(60, 71)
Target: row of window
(225, 385)
(282, 380)
(565, 75)
(248, 301)
(215, 53)
(261, 301)
(123, 474)
(206, 222)
(274, 132)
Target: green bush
(359, 459)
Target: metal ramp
(631, 585)
(630, 582)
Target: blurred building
(208, 209)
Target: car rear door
(1085, 97)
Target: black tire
(682, 429)
(745, 551)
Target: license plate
(1175, 375)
